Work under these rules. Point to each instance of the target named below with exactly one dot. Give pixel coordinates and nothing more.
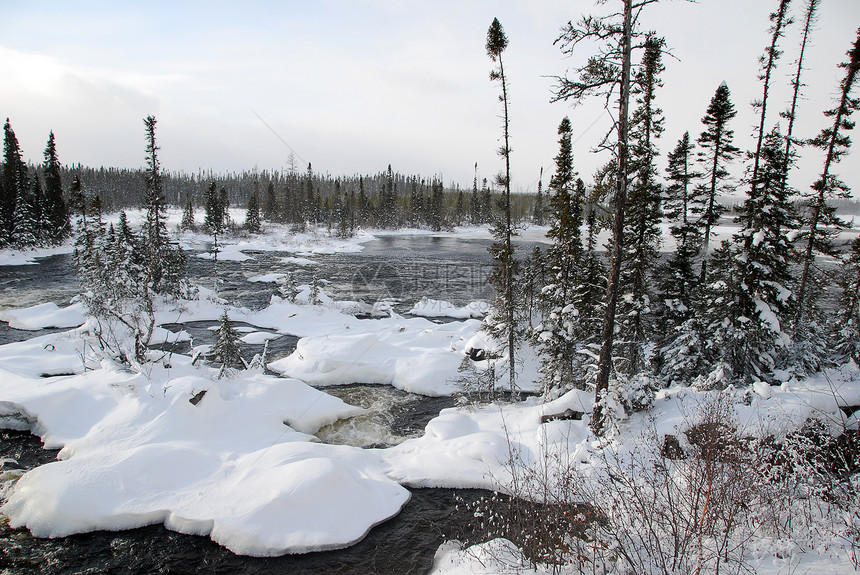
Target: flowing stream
(396, 269)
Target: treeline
(36, 199)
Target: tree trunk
(604, 364)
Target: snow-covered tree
(749, 287)
(559, 332)
(226, 350)
(642, 232)
(717, 151)
(57, 211)
(165, 261)
(252, 216)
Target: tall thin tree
(835, 142)
(503, 250)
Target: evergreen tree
(252, 216)
(165, 262)
(847, 328)
(502, 322)
(560, 330)
(717, 151)
(226, 349)
(270, 203)
(13, 183)
(187, 222)
(780, 19)
(25, 232)
(609, 76)
(796, 84)
(475, 203)
(56, 210)
(751, 279)
(682, 205)
(537, 215)
(821, 222)
(641, 230)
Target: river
(397, 269)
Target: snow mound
(413, 355)
(237, 463)
(437, 308)
(43, 316)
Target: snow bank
(44, 315)
(437, 308)
(238, 465)
(10, 257)
(414, 355)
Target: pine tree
(187, 222)
(751, 287)
(56, 209)
(13, 183)
(503, 322)
(821, 214)
(226, 349)
(717, 151)
(252, 216)
(560, 330)
(641, 231)
(165, 262)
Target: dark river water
(396, 269)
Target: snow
(414, 355)
(240, 466)
(428, 307)
(10, 257)
(259, 337)
(43, 316)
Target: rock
(566, 415)
(196, 399)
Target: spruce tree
(538, 215)
(751, 288)
(780, 19)
(559, 332)
(13, 183)
(187, 222)
(165, 262)
(270, 203)
(642, 233)
(503, 320)
(607, 75)
(226, 349)
(717, 151)
(252, 216)
(847, 327)
(682, 205)
(56, 209)
(821, 222)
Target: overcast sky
(352, 86)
